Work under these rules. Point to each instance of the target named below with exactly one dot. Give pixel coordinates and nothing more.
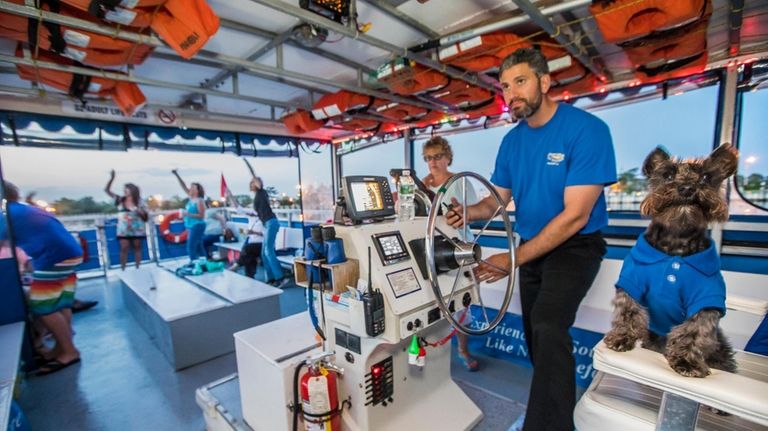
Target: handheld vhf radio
(373, 304)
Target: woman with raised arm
(131, 220)
(194, 217)
(263, 210)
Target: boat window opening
(473, 151)
(375, 160)
(316, 185)
(83, 174)
(683, 123)
(752, 174)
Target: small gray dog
(671, 294)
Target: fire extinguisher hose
(296, 405)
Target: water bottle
(405, 193)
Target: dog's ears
(722, 163)
(654, 160)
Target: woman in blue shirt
(194, 217)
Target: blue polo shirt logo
(554, 159)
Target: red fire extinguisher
(320, 400)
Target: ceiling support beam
(232, 25)
(143, 81)
(582, 31)
(312, 18)
(519, 18)
(542, 21)
(221, 60)
(396, 13)
(253, 56)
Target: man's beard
(528, 108)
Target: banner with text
(110, 112)
(507, 341)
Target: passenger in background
(438, 155)
(554, 164)
(263, 210)
(131, 220)
(250, 254)
(55, 255)
(194, 215)
(215, 223)
(78, 305)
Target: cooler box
(267, 356)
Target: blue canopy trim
(47, 131)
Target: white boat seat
(615, 403)
(743, 394)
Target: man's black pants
(551, 288)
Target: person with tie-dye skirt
(55, 255)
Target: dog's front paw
(619, 342)
(688, 368)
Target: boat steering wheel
(445, 253)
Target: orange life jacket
(113, 12)
(70, 35)
(586, 85)
(483, 52)
(126, 95)
(408, 78)
(398, 111)
(431, 118)
(340, 102)
(622, 20)
(651, 51)
(185, 25)
(462, 95)
(360, 125)
(301, 122)
(563, 68)
(50, 37)
(675, 69)
(490, 108)
(387, 127)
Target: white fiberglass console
(372, 329)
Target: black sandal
(54, 365)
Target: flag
(224, 188)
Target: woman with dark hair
(131, 220)
(263, 210)
(194, 217)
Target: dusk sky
(56, 173)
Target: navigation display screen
(367, 196)
(391, 247)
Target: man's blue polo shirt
(672, 288)
(40, 235)
(573, 148)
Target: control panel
(391, 247)
(380, 383)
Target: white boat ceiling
(261, 35)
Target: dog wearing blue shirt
(671, 294)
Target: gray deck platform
(10, 344)
(192, 322)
